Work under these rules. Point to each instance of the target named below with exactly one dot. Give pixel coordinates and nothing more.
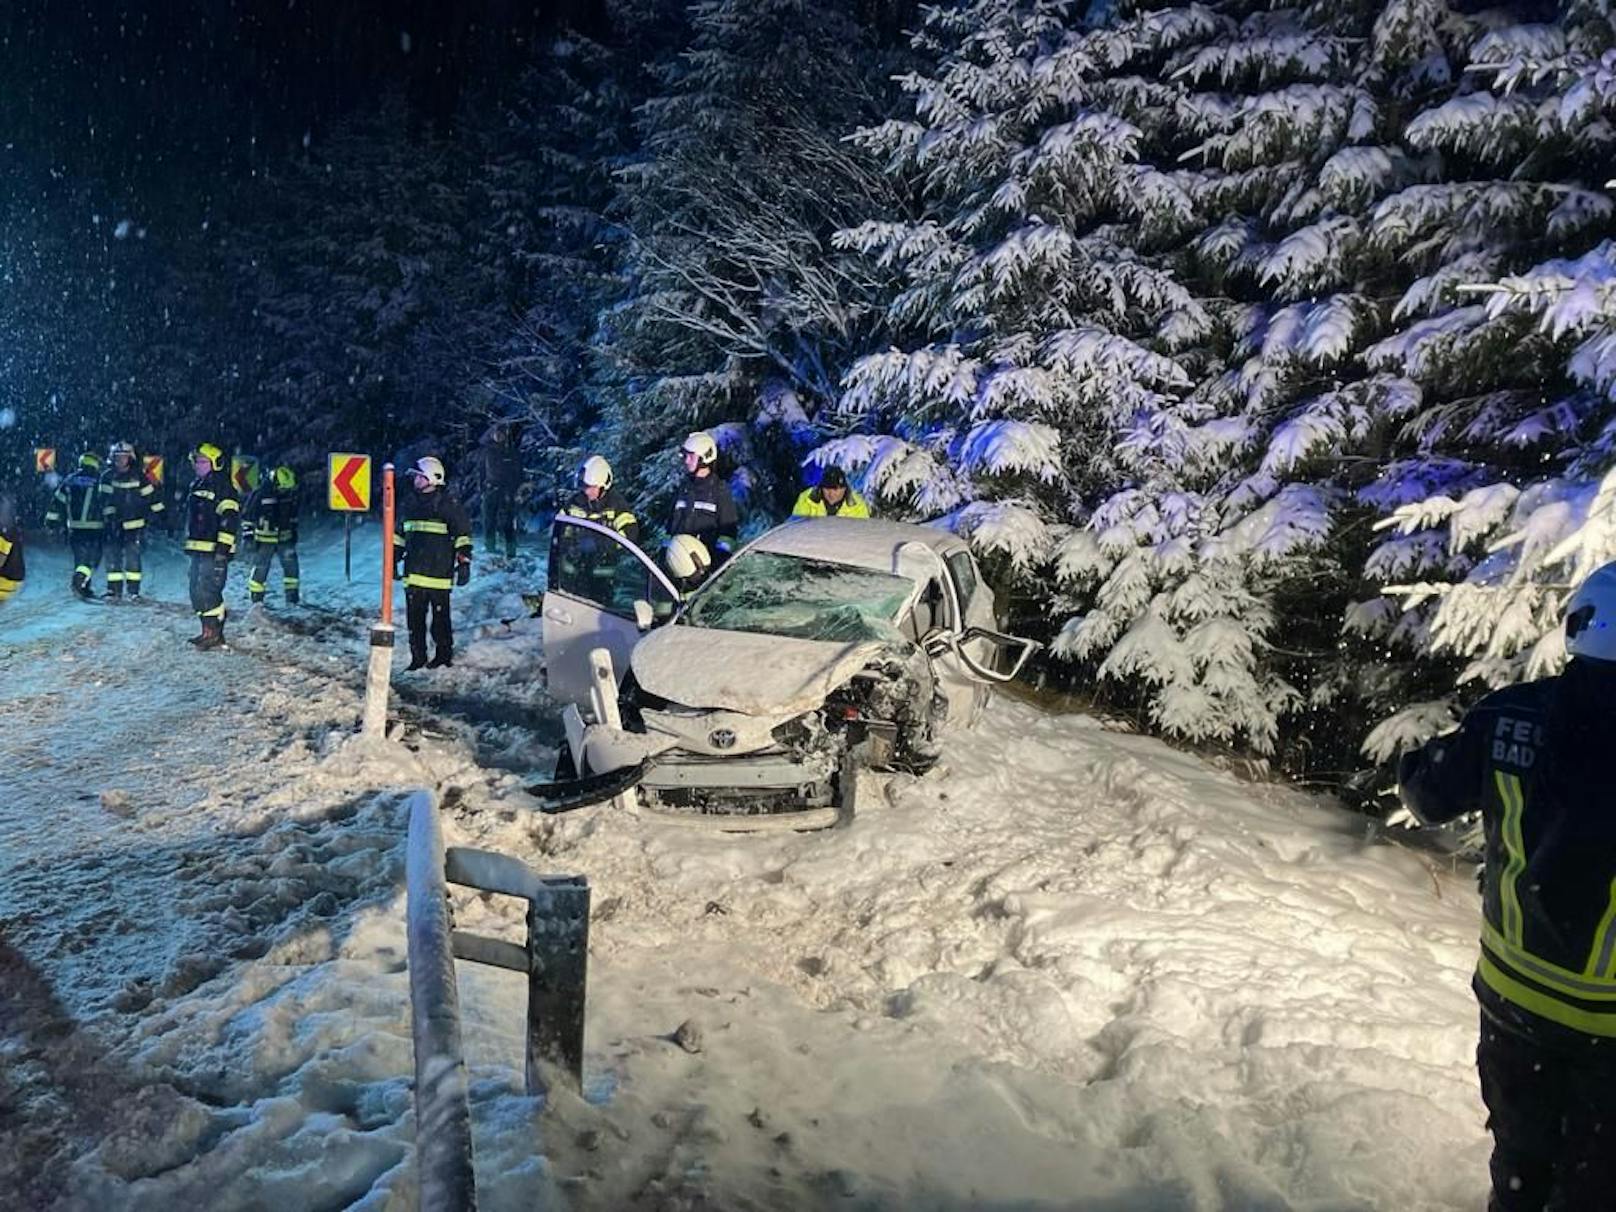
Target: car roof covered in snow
(861, 542)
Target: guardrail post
(443, 1152)
(558, 951)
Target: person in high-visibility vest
(830, 498)
(271, 516)
(1535, 760)
(79, 502)
(131, 500)
(432, 547)
(12, 571)
(212, 517)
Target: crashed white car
(824, 646)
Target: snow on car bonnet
(741, 671)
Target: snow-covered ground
(1070, 968)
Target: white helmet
(701, 445)
(1590, 619)
(121, 448)
(430, 469)
(686, 556)
(596, 473)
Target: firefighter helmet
(121, 448)
(686, 556)
(211, 453)
(89, 461)
(701, 445)
(429, 469)
(596, 473)
(285, 478)
(1590, 620)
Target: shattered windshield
(772, 594)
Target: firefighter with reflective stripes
(598, 501)
(131, 500)
(433, 551)
(12, 571)
(80, 501)
(1536, 760)
(212, 516)
(704, 508)
(271, 518)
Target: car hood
(742, 671)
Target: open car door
(602, 592)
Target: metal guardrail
(555, 962)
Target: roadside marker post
(379, 676)
(153, 467)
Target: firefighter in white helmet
(598, 500)
(432, 546)
(704, 508)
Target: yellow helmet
(211, 453)
(89, 461)
(285, 478)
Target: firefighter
(1534, 759)
(831, 497)
(80, 500)
(12, 571)
(212, 515)
(131, 501)
(501, 452)
(433, 550)
(271, 517)
(704, 508)
(598, 501)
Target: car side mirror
(644, 617)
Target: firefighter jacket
(212, 516)
(434, 535)
(11, 567)
(131, 499)
(609, 509)
(1529, 757)
(271, 514)
(81, 500)
(704, 508)
(812, 504)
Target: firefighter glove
(462, 570)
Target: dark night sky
(156, 98)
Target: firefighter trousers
(123, 562)
(263, 557)
(208, 576)
(86, 547)
(1553, 1118)
(417, 602)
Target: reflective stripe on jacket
(1548, 939)
(704, 508)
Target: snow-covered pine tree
(739, 315)
(1517, 353)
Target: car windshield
(773, 594)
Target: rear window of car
(772, 594)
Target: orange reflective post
(387, 544)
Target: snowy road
(1070, 969)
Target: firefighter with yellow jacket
(212, 517)
(11, 564)
(1535, 760)
(433, 551)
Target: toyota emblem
(721, 738)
